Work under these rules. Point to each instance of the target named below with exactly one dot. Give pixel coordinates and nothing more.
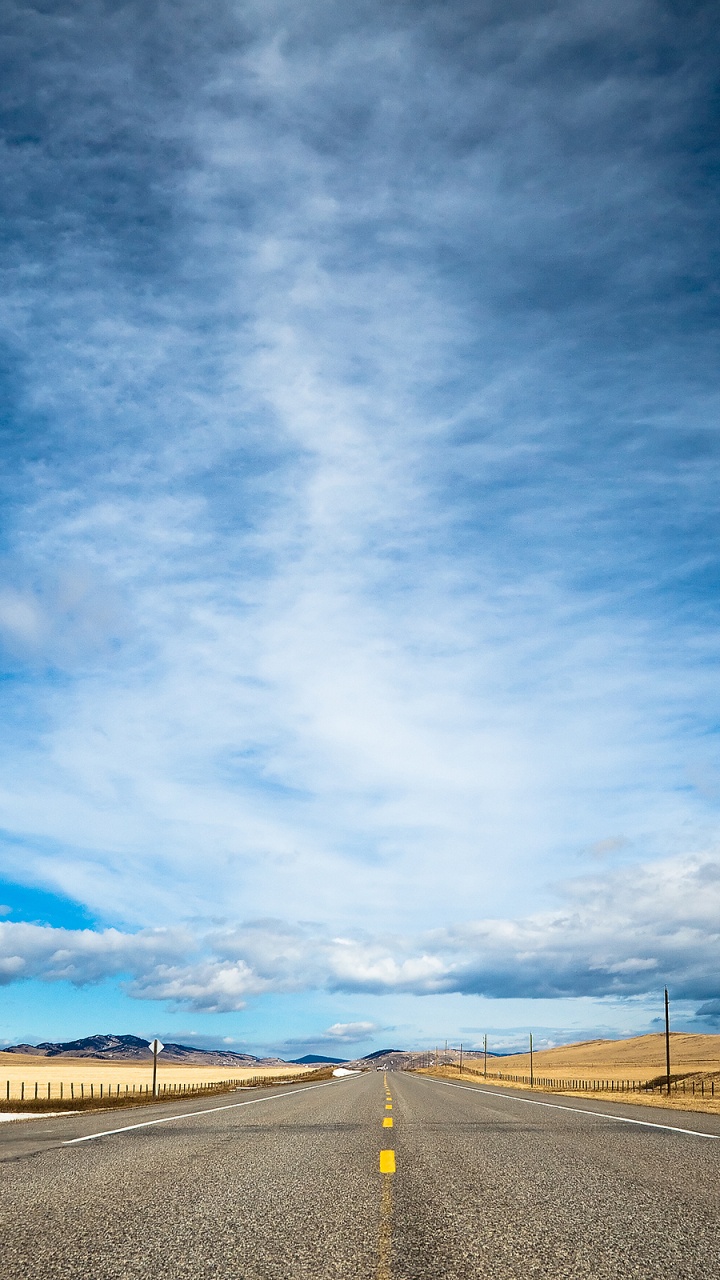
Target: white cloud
(630, 934)
(349, 1032)
(85, 955)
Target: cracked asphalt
(287, 1184)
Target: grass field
(17, 1068)
(641, 1058)
(694, 1062)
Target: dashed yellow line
(384, 1269)
(387, 1166)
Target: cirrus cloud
(359, 505)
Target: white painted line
(580, 1111)
(183, 1115)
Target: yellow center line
(385, 1233)
(387, 1166)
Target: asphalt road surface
(286, 1184)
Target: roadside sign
(157, 1047)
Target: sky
(359, 555)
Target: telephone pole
(667, 1040)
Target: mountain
(112, 1048)
(311, 1058)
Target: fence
(701, 1088)
(82, 1095)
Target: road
(285, 1184)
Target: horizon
(358, 583)
(520, 1046)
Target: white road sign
(157, 1046)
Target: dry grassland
(640, 1059)
(16, 1068)
(694, 1058)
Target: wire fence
(68, 1095)
(678, 1084)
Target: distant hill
(379, 1053)
(311, 1058)
(112, 1048)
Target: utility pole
(485, 1054)
(532, 1078)
(667, 1039)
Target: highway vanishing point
(370, 1177)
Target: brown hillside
(641, 1058)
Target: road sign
(157, 1047)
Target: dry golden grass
(694, 1057)
(16, 1068)
(676, 1101)
(641, 1058)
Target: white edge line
(206, 1111)
(580, 1111)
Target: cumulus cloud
(84, 955)
(625, 936)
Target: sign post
(157, 1047)
(532, 1077)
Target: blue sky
(359, 551)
